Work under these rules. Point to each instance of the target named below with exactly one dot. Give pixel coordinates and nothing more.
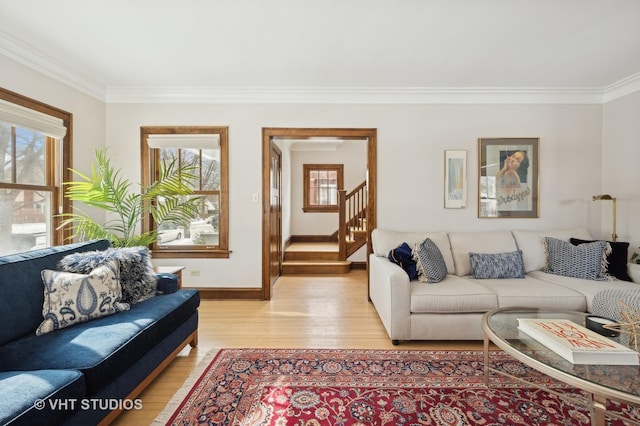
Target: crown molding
(354, 95)
(53, 68)
(49, 66)
(621, 88)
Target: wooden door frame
(275, 150)
(268, 134)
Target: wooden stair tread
(316, 266)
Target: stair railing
(352, 215)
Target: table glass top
(501, 325)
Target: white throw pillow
(71, 298)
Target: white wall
(621, 167)
(88, 112)
(411, 144)
(353, 155)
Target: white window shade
(19, 116)
(184, 140)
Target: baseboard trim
(231, 293)
(359, 265)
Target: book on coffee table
(576, 343)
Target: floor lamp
(614, 236)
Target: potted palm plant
(169, 199)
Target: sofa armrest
(390, 292)
(167, 283)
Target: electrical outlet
(194, 273)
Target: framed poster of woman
(508, 181)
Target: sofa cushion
(21, 389)
(429, 261)
(453, 295)
(21, 286)
(75, 298)
(588, 288)
(587, 261)
(497, 265)
(534, 293)
(137, 276)
(384, 240)
(403, 257)
(103, 348)
(532, 244)
(462, 243)
(616, 260)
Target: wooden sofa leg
(395, 342)
(194, 341)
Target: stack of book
(576, 343)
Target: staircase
(329, 255)
(314, 258)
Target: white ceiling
(398, 50)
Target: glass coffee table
(604, 382)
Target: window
(321, 185)
(36, 151)
(205, 149)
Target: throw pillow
(429, 261)
(497, 265)
(617, 259)
(137, 277)
(403, 256)
(71, 298)
(587, 261)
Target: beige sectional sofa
(453, 308)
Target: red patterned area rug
(311, 387)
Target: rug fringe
(181, 394)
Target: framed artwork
(455, 179)
(508, 178)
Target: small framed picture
(455, 179)
(508, 178)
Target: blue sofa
(89, 372)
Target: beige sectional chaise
(453, 308)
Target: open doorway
(272, 200)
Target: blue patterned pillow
(75, 298)
(587, 261)
(403, 256)
(497, 265)
(429, 261)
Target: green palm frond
(177, 210)
(172, 180)
(169, 198)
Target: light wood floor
(304, 312)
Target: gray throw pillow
(497, 265)
(587, 261)
(429, 261)
(137, 276)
